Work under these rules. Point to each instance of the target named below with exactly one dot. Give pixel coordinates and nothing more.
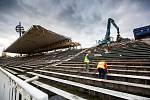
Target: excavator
(107, 38)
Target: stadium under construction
(52, 68)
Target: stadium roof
(36, 38)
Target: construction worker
(87, 60)
(102, 69)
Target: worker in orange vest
(102, 69)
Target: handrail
(33, 92)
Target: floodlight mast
(19, 29)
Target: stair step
(92, 90)
(112, 63)
(16, 69)
(93, 66)
(54, 90)
(114, 71)
(110, 84)
(11, 71)
(130, 78)
(118, 77)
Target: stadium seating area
(128, 72)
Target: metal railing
(13, 88)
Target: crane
(107, 36)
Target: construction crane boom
(107, 36)
(110, 21)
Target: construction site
(51, 67)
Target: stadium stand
(64, 71)
(38, 39)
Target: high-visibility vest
(101, 65)
(86, 60)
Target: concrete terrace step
(118, 77)
(134, 54)
(131, 52)
(115, 71)
(118, 57)
(141, 46)
(113, 63)
(23, 68)
(54, 90)
(126, 54)
(123, 57)
(130, 72)
(93, 67)
(121, 60)
(104, 94)
(128, 60)
(31, 66)
(77, 65)
(132, 88)
(132, 49)
(16, 69)
(39, 64)
(130, 78)
(139, 50)
(11, 71)
(95, 61)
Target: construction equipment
(107, 38)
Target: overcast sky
(85, 21)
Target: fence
(13, 88)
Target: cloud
(84, 21)
(79, 14)
(6, 5)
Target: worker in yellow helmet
(102, 69)
(87, 60)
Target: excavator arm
(110, 20)
(107, 36)
(115, 26)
